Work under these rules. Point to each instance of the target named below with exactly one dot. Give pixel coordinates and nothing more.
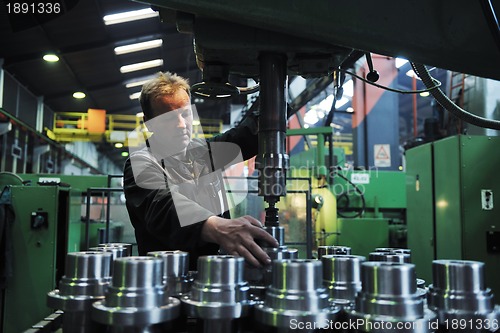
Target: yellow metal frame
(71, 126)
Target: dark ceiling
(88, 63)
(85, 46)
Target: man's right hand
(237, 237)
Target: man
(171, 154)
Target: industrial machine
(451, 186)
(46, 224)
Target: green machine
(362, 209)
(46, 225)
(451, 186)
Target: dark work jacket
(152, 211)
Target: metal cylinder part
(391, 255)
(389, 294)
(260, 278)
(296, 294)
(219, 291)
(175, 271)
(86, 276)
(117, 251)
(272, 160)
(127, 246)
(327, 250)
(136, 297)
(342, 277)
(458, 292)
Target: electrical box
(45, 228)
(451, 212)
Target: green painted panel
(363, 235)
(479, 170)
(384, 189)
(420, 212)
(447, 198)
(35, 260)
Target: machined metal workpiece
(86, 276)
(127, 246)
(175, 271)
(136, 298)
(389, 297)
(296, 296)
(219, 294)
(328, 250)
(342, 277)
(391, 255)
(458, 294)
(117, 250)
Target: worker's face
(173, 120)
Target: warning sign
(382, 155)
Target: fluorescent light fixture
(79, 95)
(118, 145)
(138, 46)
(125, 153)
(141, 65)
(51, 58)
(134, 15)
(140, 115)
(139, 81)
(350, 109)
(424, 94)
(135, 95)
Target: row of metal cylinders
(146, 292)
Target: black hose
(448, 104)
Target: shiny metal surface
(342, 277)
(296, 294)
(127, 246)
(175, 271)
(389, 292)
(458, 292)
(137, 296)
(327, 250)
(117, 250)
(219, 291)
(85, 279)
(391, 255)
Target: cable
(449, 105)
(428, 89)
(361, 195)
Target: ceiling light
(118, 145)
(141, 65)
(424, 94)
(135, 95)
(129, 16)
(138, 46)
(140, 115)
(51, 57)
(350, 109)
(79, 95)
(400, 62)
(125, 153)
(139, 81)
